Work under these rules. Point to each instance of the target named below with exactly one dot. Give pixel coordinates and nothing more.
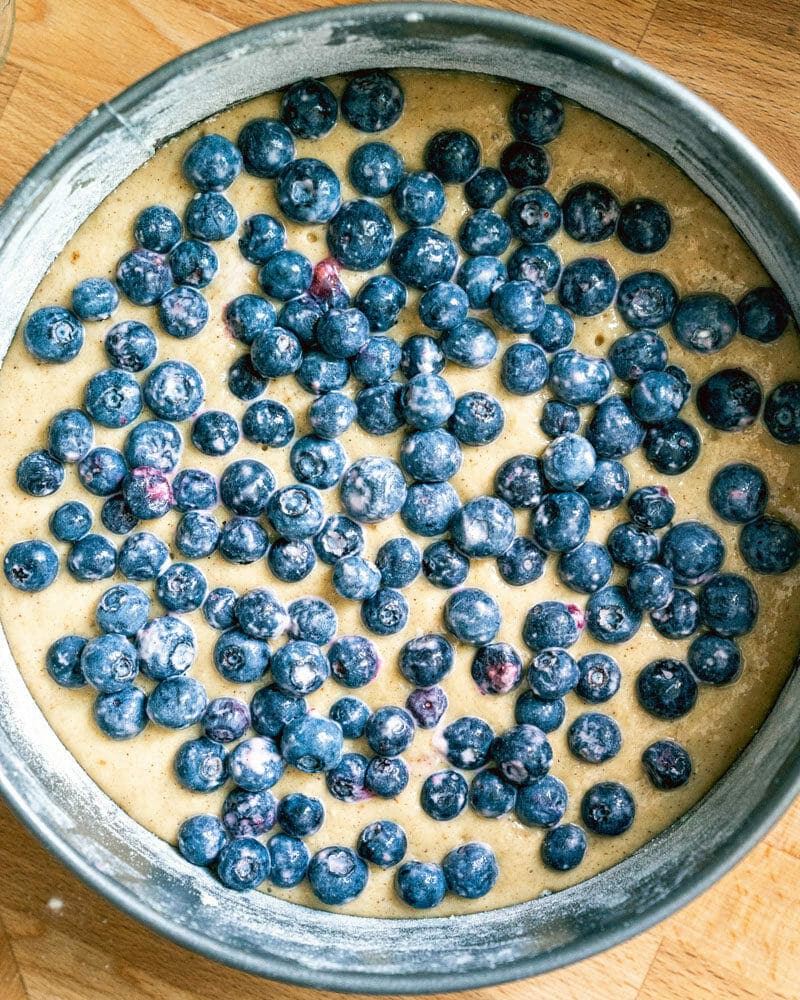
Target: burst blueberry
(427, 705)
(147, 493)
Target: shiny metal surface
(143, 875)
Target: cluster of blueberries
(323, 339)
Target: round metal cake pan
(143, 875)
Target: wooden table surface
(58, 941)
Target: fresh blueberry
(429, 507)
(561, 522)
(360, 235)
(646, 299)
(552, 674)
(317, 462)
(610, 616)
(246, 487)
(465, 742)
(521, 563)
(542, 803)
(262, 237)
(143, 277)
(386, 776)
(372, 101)
(193, 263)
(117, 517)
(269, 422)
(667, 764)
(536, 114)
(200, 840)
(399, 562)
(40, 475)
(142, 556)
(70, 436)
(276, 352)
(453, 156)
(481, 277)
(636, 353)
(109, 663)
(194, 489)
(338, 538)
(782, 413)
(431, 456)
(379, 409)
(375, 169)
(586, 568)
(122, 609)
(247, 316)
(738, 493)
(90, 558)
(657, 398)
(443, 306)
(588, 286)
(266, 146)
(218, 608)
(260, 614)
(730, 399)
(356, 579)
(270, 709)
(522, 754)
(678, 619)
(770, 545)
(518, 306)
(312, 620)
(418, 198)
(568, 461)
(427, 705)
(591, 212)
(154, 444)
(693, 551)
(309, 109)
(215, 432)
(244, 382)
(196, 535)
(243, 540)
(426, 660)
(444, 795)
(337, 875)
(644, 226)
(32, 566)
(70, 521)
(484, 233)
(330, 415)
(714, 660)
(519, 482)
(650, 586)
(673, 448)
(376, 361)
(763, 314)
(312, 743)
(174, 390)
(478, 418)
(102, 471)
(94, 299)
(286, 274)
(291, 560)
(470, 870)
(471, 344)
(608, 808)
(212, 163)
(345, 780)
(423, 257)
(147, 493)
(472, 616)
(534, 215)
(614, 430)
(157, 228)
(181, 588)
(486, 187)
(600, 678)
(225, 720)
(210, 216)
(579, 378)
(372, 489)
(420, 884)
(490, 795)
(556, 329)
(382, 843)
(444, 566)
(728, 605)
(308, 191)
(351, 714)
(483, 527)
(121, 715)
(705, 322)
(112, 398)
(386, 612)
(243, 864)
(594, 738)
(563, 847)
(666, 689)
(524, 164)
(381, 298)
(300, 815)
(682, 378)
(631, 545)
(289, 860)
(651, 507)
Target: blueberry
(386, 612)
(429, 507)
(738, 493)
(714, 659)
(345, 780)
(101, 471)
(472, 616)
(174, 390)
(533, 711)
(109, 663)
(309, 109)
(194, 489)
(466, 742)
(200, 839)
(538, 264)
(312, 620)
(32, 566)
(666, 689)
(382, 843)
(693, 551)
(372, 489)
(197, 535)
(147, 493)
(117, 517)
(478, 418)
(122, 609)
(212, 163)
(155, 444)
(269, 422)
(651, 507)
(260, 614)
(70, 436)
(444, 566)
(375, 169)
(728, 605)
(534, 215)
(276, 352)
(399, 562)
(289, 859)
(588, 286)
(552, 673)
(650, 586)
(524, 164)
(381, 298)
(427, 705)
(91, 558)
(561, 522)
(632, 545)
(307, 190)
(338, 538)
(360, 235)
(246, 487)
(420, 884)
(121, 714)
(372, 101)
(484, 233)
(770, 545)
(39, 474)
(521, 563)
(94, 299)
(337, 875)
(181, 588)
(157, 228)
(594, 738)
(218, 608)
(644, 226)
(763, 314)
(142, 556)
(270, 709)
(591, 212)
(586, 568)
(782, 413)
(426, 660)
(682, 378)
(483, 527)
(470, 870)
(490, 795)
(351, 714)
(568, 462)
(418, 198)
(112, 398)
(610, 616)
(291, 560)
(678, 619)
(210, 216)
(600, 678)
(667, 764)
(730, 399)
(637, 353)
(444, 795)
(143, 277)
(536, 114)
(376, 361)
(705, 322)
(496, 669)
(657, 398)
(285, 275)
(192, 263)
(317, 462)
(518, 306)
(563, 847)
(70, 521)
(471, 344)
(556, 329)
(443, 306)
(225, 720)
(300, 815)
(330, 415)
(266, 146)
(486, 187)
(355, 579)
(579, 378)
(215, 432)
(522, 754)
(379, 408)
(646, 299)
(542, 803)
(480, 278)
(311, 743)
(608, 808)
(300, 316)
(423, 257)
(387, 776)
(244, 382)
(673, 448)
(262, 237)
(243, 864)
(518, 481)
(63, 661)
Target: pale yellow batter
(704, 253)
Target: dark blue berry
(286, 274)
(586, 568)
(291, 560)
(338, 538)
(486, 187)
(536, 114)
(244, 382)
(90, 558)
(728, 605)
(246, 486)
(521, 563)
(667, 764)
(472, 616)
(266, 146)
(705, 322)
(666, 689)
(174, 390)
(112, 398)
(123, 609)
(636, 353)
(678, 619)
(423, 257)
(289, 860)
(260, 614)
(360, 235)
(142, 556)
(444, 566)
(121, 715)
(381, 298)
(420, 884)
(563, 847)
(356, 579)
(632, 545)
(651, 507)
(524, 164)
(478, 418)
(372, 489)
(143, 277)
(372, 101)
(376, 361)
(312, 743)
(591, 212)
(117, 517)
(588, 286)
(608, 808)
(243, 864)
(644, 226)
(192, 263)
(522, 754)
(730, 399)
(738, 493)
(387, 776)
(181, 588)
(109, 663)
(518, 306)
(32, 566)
(519, 482)
(646, 299)
(300, 815)
(579, 378)
(351, 714)
(262, 237)
(39, 474)
(594, 738)
(157, 228)
(600, 678)
(268, 422)
(490, 795)
(650, 586)
(673, 448)
(195, 489)
(419, 198)
(427, 705)
(483, 527)
(70, 436)
(375, 169)
(443, 306)
(317, 462)
(714, 660)
(429, 507)
(610, 616)
(480, 277)
(561, 522)
(382, 843)
(147, 493)
(379, 408)
(307, 190)
(218, 608)
(444, 795)
(693, 551)
(313, 620)
(539, 264)
(552, 674)
(210, 216)
(386, 612)
(534, 215)
(763, 314)
(470, 870)
(399, 562)
(543, 803)
(70, 521)
(212, 163)
(330, 415)
(200, 839)
(466, 742)
(345, 780)
(94, 299)
(782, 413)
(484, 233)
(426, 660)
(556, 329)
(225, 720)
(337, 875)
(309, 109)
(770, 545)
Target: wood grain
(59, 941)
